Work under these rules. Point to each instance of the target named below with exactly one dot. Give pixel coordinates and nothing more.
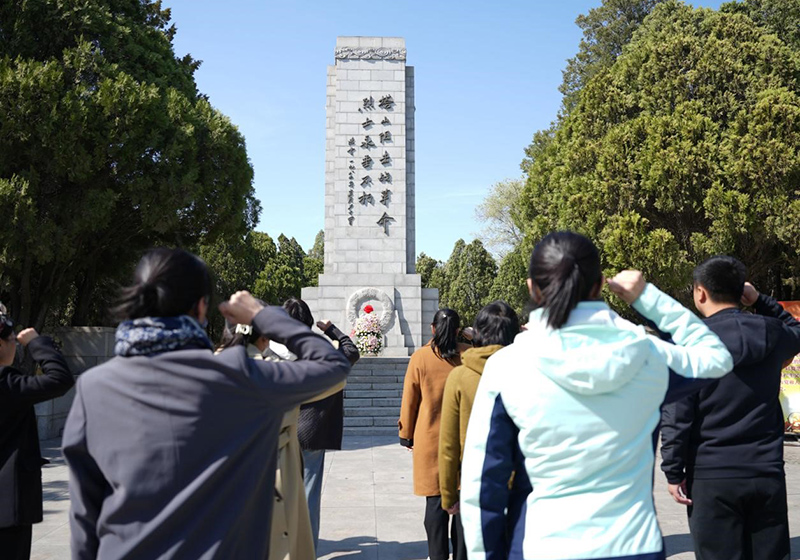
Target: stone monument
(370, 253)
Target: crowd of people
(529, 441)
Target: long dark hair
(497, 323)
(166, 283)
(565, 266)
(446, 324)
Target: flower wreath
(371, 294)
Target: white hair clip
(246, 330)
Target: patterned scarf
(155, 335)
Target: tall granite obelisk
(370, 251)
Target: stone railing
(83, 348)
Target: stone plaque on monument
(370, 251)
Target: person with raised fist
(172, 449)
(571, 408)
(20, 456)
(722, 447)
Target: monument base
(406, 308)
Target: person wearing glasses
(20, 457)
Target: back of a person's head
(497, 323)
(722, 277)
(166, 283)
(565, 266)
(299, 311)
(446, 324)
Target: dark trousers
(15, 542)
(739, 518)
(437, 523)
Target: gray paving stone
(369, 510)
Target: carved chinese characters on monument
(366, 198)
(350, 213)
(384, 103)
(384, 222)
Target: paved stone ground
(369, 511)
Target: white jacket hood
(585, 355)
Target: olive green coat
(459, 394)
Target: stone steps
(372, 396)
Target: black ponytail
(166, 283)
(446, 324)
(565, 266)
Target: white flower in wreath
(371, 294)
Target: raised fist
(241, 308)
(628, 285)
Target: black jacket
(734, 427)
(20, 457)
(321, 423)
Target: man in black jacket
(722, 448)
(20, 457)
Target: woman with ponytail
(420, 411)
(172, 449)
(571, 407)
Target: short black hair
(723, 277)
(497, 323)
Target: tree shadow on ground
(678, 544)
(795, 544)
(353, 443)
(55, 490)
(366, 548)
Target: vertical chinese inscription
(359, 147)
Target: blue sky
(487, 77)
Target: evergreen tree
(781, 17)
(465, 280)
(687, 146)
(425, 268)
(282, 277)
(106, 149)
(510, 285)
(315, 261)
(606, 31)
